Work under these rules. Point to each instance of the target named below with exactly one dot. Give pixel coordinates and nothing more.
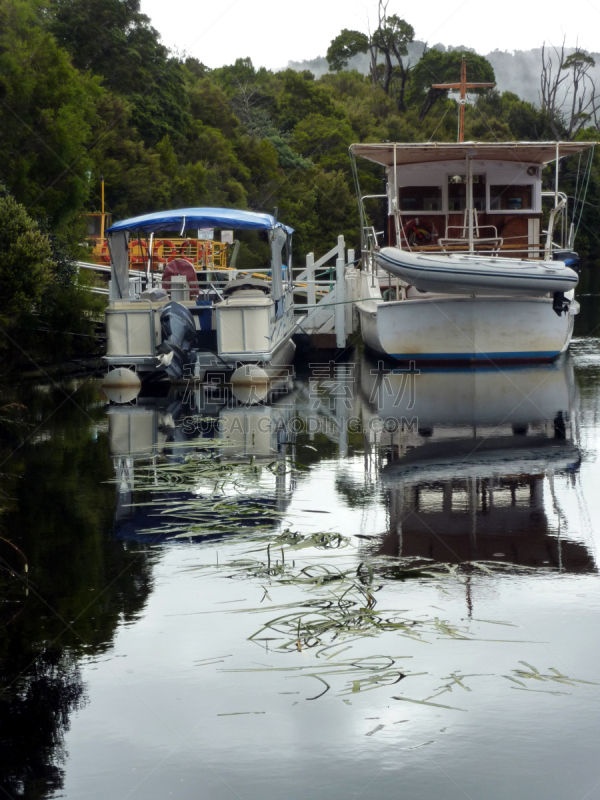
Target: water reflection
(470, 467)
(231, 424)
(467, 459)
(80, 584)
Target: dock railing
(329, 300)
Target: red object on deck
(180, 266)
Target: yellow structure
(203, 254)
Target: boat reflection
(186, 423)
(471, 462)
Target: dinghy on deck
(453, 273)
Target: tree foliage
(26, 266)
(344, 47)
(387, 48)
(43, 301)
(47, 113)
(438, 67)
(114, 40)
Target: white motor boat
(468, 273)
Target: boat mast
(470, 210)
(556, 176)
(462, 87)
(102, 225)
(395, 202)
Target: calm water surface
(369, 584)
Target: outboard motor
(178, 335)
(560, 304)
(569, 257)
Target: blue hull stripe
(449, 272)
(521, 356)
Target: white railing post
(341, 247)
(311, 298)
(350, 285)
(340, 296)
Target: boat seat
(462, 236)
(177, 267)
(245, 284)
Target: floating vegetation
(324, 540)
(533, 674)
(417, 567)
(344, 612)
(427, 703)
(215, 494)
(363, 674)
(240, 713)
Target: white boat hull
(453, 273)
(466, 329)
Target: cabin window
(93, 226)
(457, 192)
(511, 198)
(420, 198)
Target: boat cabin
(472, 196)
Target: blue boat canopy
(184, 218)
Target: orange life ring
(160, 254)
(104, 254)
(142, 258)
(187, 247)
(420, 232)
(157, 251)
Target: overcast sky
(273, 32)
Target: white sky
(273, 32)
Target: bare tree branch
(568, 91)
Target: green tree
(300, 96)
(344, 47)
(324, 140)
(391, 39)
(523, 120)
(438, 67)
(44, 303)
(26, 265)
(389, 43)
(134, 179)
(114, 40)
(47, 110)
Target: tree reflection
(34, 714)
(58, 510)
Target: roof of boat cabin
(181, 219)
(418, 153)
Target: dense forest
(516, 71)
(88, 90)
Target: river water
(369, 583)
